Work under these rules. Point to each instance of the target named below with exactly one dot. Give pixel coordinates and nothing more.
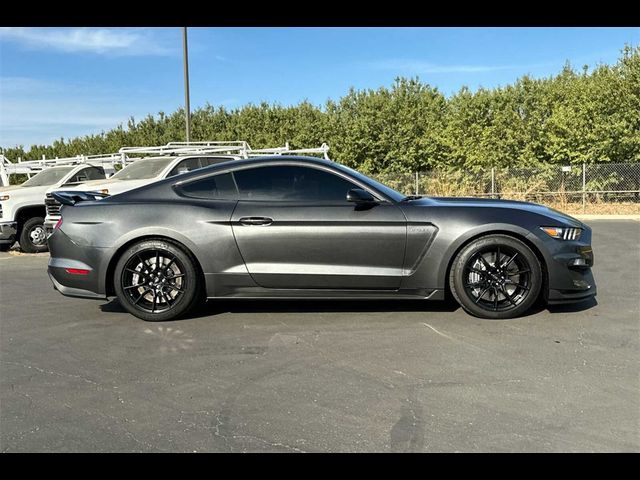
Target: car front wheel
(156, 280)
(496, 276)
(33, 238)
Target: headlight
(4, 197)
(563, 233)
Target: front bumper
(8, 232)
(570, 276)
(577, 285)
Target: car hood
(551, 213)
(10, 188)
(18, 191)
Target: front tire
(33, 237)
(156, 280)
(496, 276)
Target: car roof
(229, 165)
(186, 155)
(266, 160)
(60, 167)
(157, 157)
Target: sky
(65, 82)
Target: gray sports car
(299, 227)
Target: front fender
(486, 229)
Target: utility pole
(187, 108)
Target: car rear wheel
(33, 237)
(496, 276)
(156, 280)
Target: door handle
(256, 221)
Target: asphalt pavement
(309, 376)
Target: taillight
(58, 224)
(77, 271)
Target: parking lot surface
(392, 376)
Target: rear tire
(33, 237)
(156, 280)
(496, 276)
(5, 247)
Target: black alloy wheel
(157, 281)
(496, 276)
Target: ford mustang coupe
(300, 227)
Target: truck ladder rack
(126, 155)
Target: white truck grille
(53, 206)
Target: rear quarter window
(215, 187)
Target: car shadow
(216, 307)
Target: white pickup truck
(22, 207)
(139, 173)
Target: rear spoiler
(71, 197)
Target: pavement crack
(475, 347)
(51, 372)
(272, 444)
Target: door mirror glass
(358, 195)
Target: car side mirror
(358, 195)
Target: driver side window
(292, 183)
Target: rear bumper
(73, 292)
(65, 255)
(8, 232)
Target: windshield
(50, 176)
(143, 168)
(388, 191)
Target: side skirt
(242, 286)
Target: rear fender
(141, 234)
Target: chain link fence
(610, 188)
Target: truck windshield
(143, 168)
(50, 176)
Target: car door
(296, 230)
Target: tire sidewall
(26, 245)
(456, 277)
(192, 288)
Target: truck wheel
(4, 247)
(33, 238)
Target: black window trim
(200, 158)
(231, 169)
